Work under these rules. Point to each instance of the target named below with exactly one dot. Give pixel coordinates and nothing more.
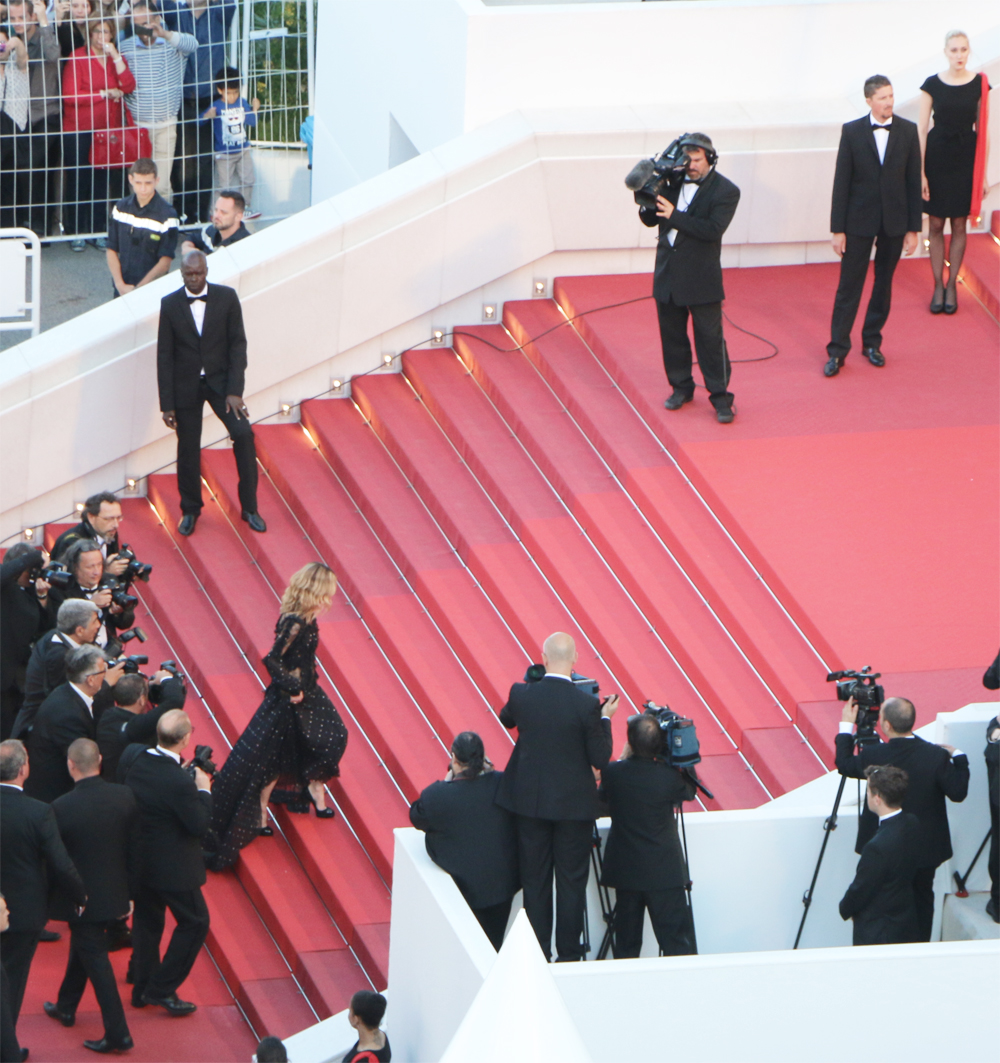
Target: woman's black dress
(951, 146)
(295, 744)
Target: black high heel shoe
(321, 813)
(950, 305)
(266, 832)
(937, 303)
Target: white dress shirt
(197, 309)
(688, 191)
(881, 134)
(888, 815)
(87, 699)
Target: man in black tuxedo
(876, 199)
(89, 583)
(562, 734)
(33, 857)
(133, 718)
(102, 514)
(935, 772)
(643, 861)
(470, 836)
(881, 899)
(201, 356)
(175, 812)
(687, 281)
(99, 824)
(66, 715)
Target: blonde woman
(296, 738)
(949, 154)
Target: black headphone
(700, 140)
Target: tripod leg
(829, 826)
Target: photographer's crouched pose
(643, 861)
(471, 837)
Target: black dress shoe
(677, 400)
(186, 526)
(50, 935)
(832, 367)
(173, 1004)
(255, 520)
(54, 1012)
(950, 301)
(725, 414)
(24, 1054)
(937, 303)
(875, 356)
(991, 910)
(137, 1001)
(265, 832)
(106, 1046)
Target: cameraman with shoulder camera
(692, 214)
(563, 733)
(139, 704)
(935, 772)
(175, 813)
(85, 562)
(643, 861)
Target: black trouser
(564, 846)
(45, 159)
(160, 978)
(853, 269)
(15, 169)
(923, 894)
(994, 854)
(192, 174)
(87, 189)
(710, 345)
(10, 1050)
(11, 701)
(669, 914)
(17, 950)
(88, 959)
(493, 920)
(189, 421)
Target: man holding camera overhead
(935, 772)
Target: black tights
(956, 251)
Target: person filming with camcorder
(935, 772)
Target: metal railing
(20, 280)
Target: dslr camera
(119, 596)
(680, 740)
(55, 573)
(156, 691)
(132, 663)
(654, 177)
(202, 759)
(588, 686)
(136, 569)
(868, 696)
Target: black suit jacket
(32, 852)
(99, 825)
(62, 719)
(220, 352)
(933, 777)
(118, 728)
(174, 816)
(869, 195)
(471, 837)
(560, 735)
(22, 619)
(83, 530)
(690, 272)
(880, 900)
(643, 850)
(113, 622)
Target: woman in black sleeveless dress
(949, 153)
(295, 739)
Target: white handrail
(30, 307)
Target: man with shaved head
(935, 772)
(563, 734)
(201, 356)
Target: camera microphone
(640, 174)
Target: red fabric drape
(979, 167)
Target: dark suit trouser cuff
(710, 346)
(88, 959)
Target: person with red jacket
(95, 80)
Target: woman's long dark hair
(468, 749)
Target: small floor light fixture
(538, 289)
(387, 358)
(337, 386)
(131, 485)
(437, 336)
(29, 535)
(489, 311)
(286, 409)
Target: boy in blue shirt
(231, 117)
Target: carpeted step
(980, 271)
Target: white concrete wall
(445, 67)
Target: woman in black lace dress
(949, 153)
(296, 738)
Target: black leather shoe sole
(832, 367)
(187, 524)
(255, 520)
(676, 401)
(53, 1012)
(106, 1047)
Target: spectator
(131, 719)
(25, 613)
(15, 147)
(227, 225)
(365, 1015)
(157, 57)
(231, 116)
(71, 17)
(142, 236)
(86, 565)
(36, 186)
(77, 624)
(99, 824)
(9, 1046)
(102, 513)
(271, 1050)
(95, 80)
(208, 21)
(66, 715)
(33, 853)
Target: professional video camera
(653, 177)
(136, 569)
(868, 696)
(588, 686)
(54, 573)
(202, 759)
(119, 596)
(680, 741)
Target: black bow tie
(196, 298)
(886, 127)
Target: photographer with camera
(881, 899)
(563, 733)
(102, 514)
(175, 813)
(643, 860)
(139, 704)
(693, 207)
(26, 611)
(935, 772)
(85, 563)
